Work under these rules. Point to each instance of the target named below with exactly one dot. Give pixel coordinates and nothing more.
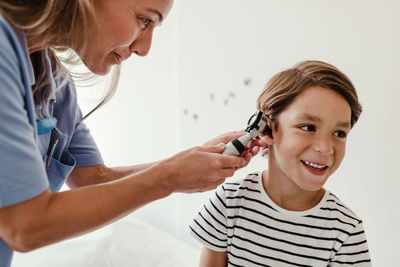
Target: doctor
(43, 142)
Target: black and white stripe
(241, 220)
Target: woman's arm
(52, 217)
(90, 175)
(83, 176)
(211, 258)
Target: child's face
(310, 141)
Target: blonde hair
(50, 19)
(284, 87)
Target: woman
(44, 143)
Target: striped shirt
(242, 220)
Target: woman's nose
(141, 46)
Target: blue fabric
(24, 155)
(46, 125)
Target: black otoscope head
(258, 120)
(254, 121)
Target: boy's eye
(308, 128)
(341, 134)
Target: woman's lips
(118, 58)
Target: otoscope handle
(237, 146)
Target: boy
(283, 216)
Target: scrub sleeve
(24, 153)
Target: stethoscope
(44, 126)
(256, 125)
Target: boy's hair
(284, 87)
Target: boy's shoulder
(330, 207)
(251, 178)
(333, 207)
(248, 184)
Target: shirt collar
(48, 66)
(24, 44)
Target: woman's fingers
(201, 168)
(214, 185)
(225, 138)
(218, 148)
(225, 160)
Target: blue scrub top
(23, 153)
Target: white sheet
(128, 242)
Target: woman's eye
(308, 128)
(146, 22)
(341, 134)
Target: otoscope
(256, 124)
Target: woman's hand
(225, 138)
(200, 168)
(252, 148)
(204, 167)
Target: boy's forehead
(318, 103)
(317, 119)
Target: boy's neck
(288, 195)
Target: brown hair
(282, 89)
(49, 19)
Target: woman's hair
(284, 87)
(50, 19)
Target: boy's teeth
(314, 165)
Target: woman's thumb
(216, 148)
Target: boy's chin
(313, 183)
(312, 186)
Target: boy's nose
(323, 144)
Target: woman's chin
(98, 68)
(102, 72)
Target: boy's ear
(266, 139)
(266, 135)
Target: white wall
(227, 41)
(210, 47)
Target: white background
(210, 47)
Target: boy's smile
(315, 168)
(309, 141)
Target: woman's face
(125, 27)
(310, 141)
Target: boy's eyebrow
(319, 120)
(344, 124)
(160, 16)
